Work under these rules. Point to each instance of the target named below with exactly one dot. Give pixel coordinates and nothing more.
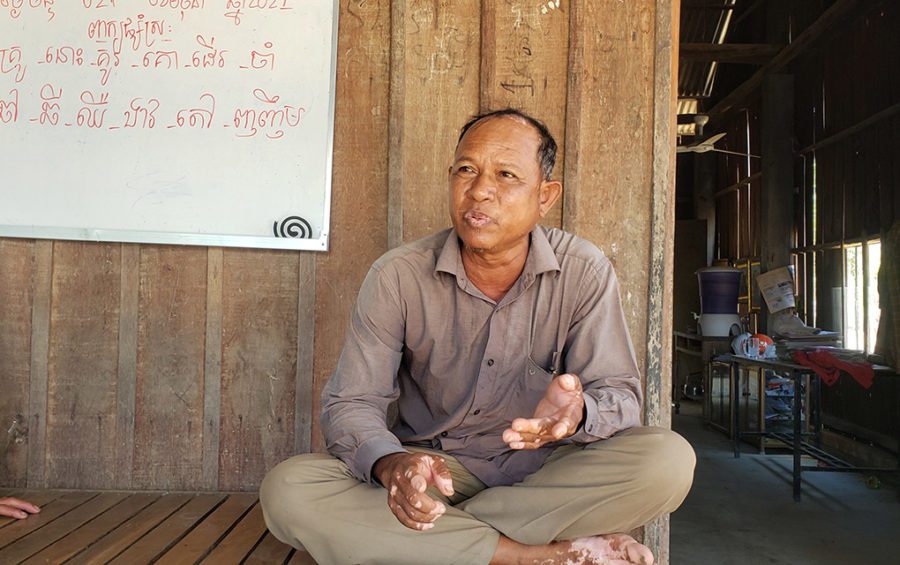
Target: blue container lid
(719, 289)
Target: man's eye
(465, 169)
(507, 174)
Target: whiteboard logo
(292, 226)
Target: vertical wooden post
(776, 211)
(659, 311)
(777, 202)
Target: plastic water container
(719, 287)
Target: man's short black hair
(546, 150)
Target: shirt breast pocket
(531, 388)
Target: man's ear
(550, 193)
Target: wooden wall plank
(168, 428)
(16, 296)
(304, 378)
(524, 65)
(259, 364)
(609, 136)
(359, 183)
(127, 363)
(212, 371)
(434, 90)
(40, 351)
(83, 365)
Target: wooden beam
(741, 53)
(738, 184)
(856, 128)
(710, 6)
(834, 17)
(745, 12)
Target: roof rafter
(834, 17)
(746, 53)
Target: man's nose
(482, 188)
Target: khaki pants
(614, 485)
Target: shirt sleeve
(600, 352)
(355, 401)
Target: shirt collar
(541, 257)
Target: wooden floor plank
(36, 497)
(240, 540)
(205, 535)
(118, 540)
(26, 546)
(170, 531)
(92, 531)
(301, 558)
(270, 550)
(49, 512)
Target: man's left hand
(557, 416)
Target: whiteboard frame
(205, 239)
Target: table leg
(817, 410)
(797, 434)
(735, 373)
(676, 378)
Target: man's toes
(638, 553)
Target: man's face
(497, 192)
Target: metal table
(699, 347)
(797, 373)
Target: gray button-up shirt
(461, 366)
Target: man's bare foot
(611, 549)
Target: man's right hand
(15, 508)
(406, 476)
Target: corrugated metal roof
(702, 21)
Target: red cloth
(829, 367)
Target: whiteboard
(202, 122)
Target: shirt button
(443, 434)
(477, 412)
(490, 362)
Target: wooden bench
(79, 526)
